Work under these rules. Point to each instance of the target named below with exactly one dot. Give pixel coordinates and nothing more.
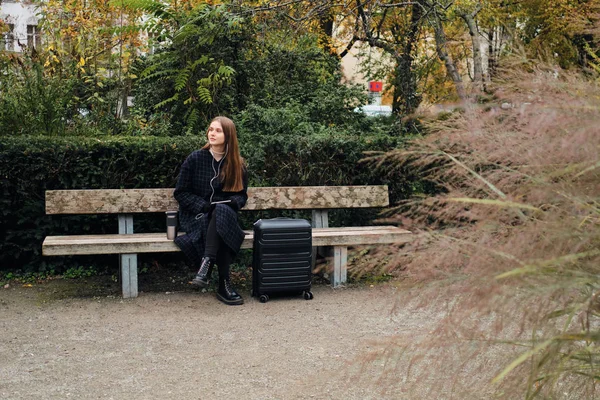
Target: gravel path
(187, 345)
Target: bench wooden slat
(127, 201)
(157, 242)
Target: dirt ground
(69, 339)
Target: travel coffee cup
(171, 224)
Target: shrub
(31, 101)
(31, 165)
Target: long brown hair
(232, 171)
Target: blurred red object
(375, 86)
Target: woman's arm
(184, 194)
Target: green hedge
(31, 165)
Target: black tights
(216, 249)
(213, 240)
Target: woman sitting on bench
(211, 189)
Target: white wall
(20, 14)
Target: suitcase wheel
(263, 298)
(308, 295)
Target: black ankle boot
(203, 275)
(228, 295)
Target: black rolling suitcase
(282, 258)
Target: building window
(34, 40)
(7, 40)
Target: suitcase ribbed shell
(282, 257)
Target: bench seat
(158, 242)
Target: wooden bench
(126, 202)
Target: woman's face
(215, 135)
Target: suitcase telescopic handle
(273, 219)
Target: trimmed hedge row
(31, 165)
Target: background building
(22, 24)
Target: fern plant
(187, 70)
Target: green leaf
(226, 70)
(204, 95)
(167, 101)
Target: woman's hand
(207, 207)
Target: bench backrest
(128, 201)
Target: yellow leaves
(466, 5)
(51, 59)
(83, 34)
(81, 64)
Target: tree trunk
(477, 59)
(123, 111)
(406, 100)
(441, 44)
(492, 52)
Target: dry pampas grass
(512, 237)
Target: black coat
(194, 193)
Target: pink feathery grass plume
(512, 235)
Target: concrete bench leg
(340, 261)
(320, 219)
(129, 277)
(128, 262)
